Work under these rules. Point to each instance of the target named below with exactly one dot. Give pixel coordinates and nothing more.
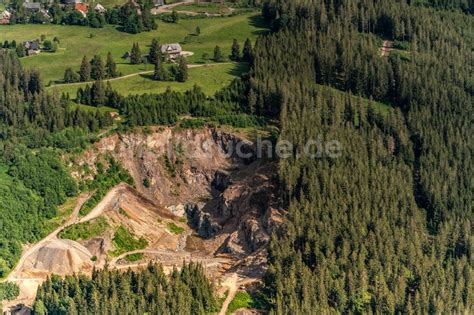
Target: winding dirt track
(233, 282)
(14, 274)
(191, 66)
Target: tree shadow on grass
(258, 21)
(147, 76)
(239, 69)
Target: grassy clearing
(77, 41)
(211, 78)
(173, 228)
(124, 241)
(85, 231)
(101, 109)
(241, 300)
(134, 257)
(64, 211)
(106, 3)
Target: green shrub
(85, 231)
(9, 291)
(173, 228)
(124, 241)
(103, 182)
(241, 300)
(134, 257)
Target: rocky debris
(177, 210)
(63, 257)
(238, 149)
(230, 197)
(201, 221)
(232, 245)
(243, 311)
(255, 235)
(221, 181)
(98, 247)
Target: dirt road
(233, 282)
(113, 196)
(169, 7)
(178, 258)
(29, 286)
(15, 273)
(191, 66)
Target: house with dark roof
(171, 50)
(5, 17)
(32, 47)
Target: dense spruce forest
(148, 291)
(387, 227)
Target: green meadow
(77, 41)
(210, 78)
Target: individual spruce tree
(97, 68)
(174, 16)
(155, 52)
(218, 54)
(197, 32)
(135, 55)
(182, 73)
(98, 93)
(85, 70)
(235, 51)
(70, 76)
(20, 50)
(110, 67)
(247, 53)
(161, 73)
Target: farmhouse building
(171, 50)
(100, 9)
(5, 17)
(82, 8)
(32, 47)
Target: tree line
(132, 17)
(147, 291)
(93, 69)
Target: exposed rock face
(201, 221)
(98, 247)
(63, 257)
(221, 180)
(231, 196)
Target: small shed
(99, 8)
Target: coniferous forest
(33, 181)
(148, 291)
(385, 228)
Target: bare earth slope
(195, 200)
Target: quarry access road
(16, 273)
